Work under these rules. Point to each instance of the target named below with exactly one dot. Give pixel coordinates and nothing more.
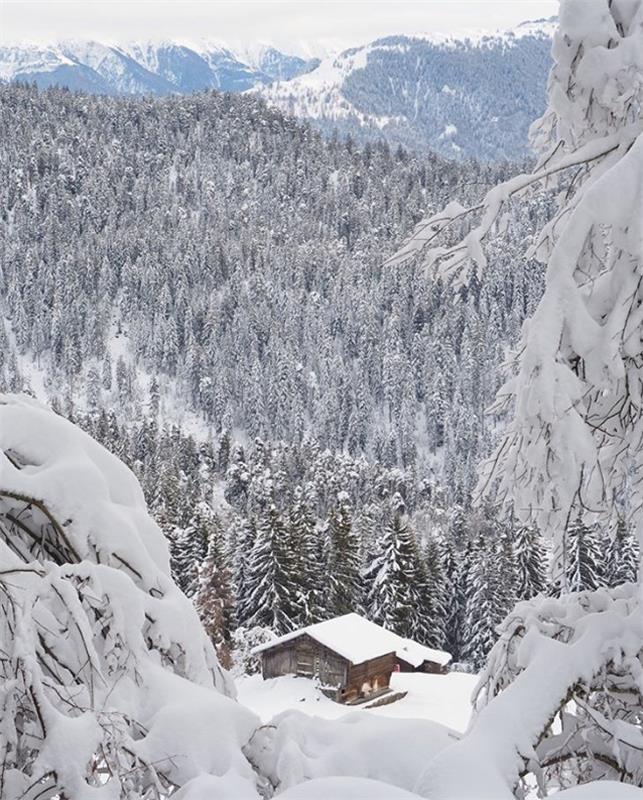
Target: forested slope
(205, 262)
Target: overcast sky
(291, 25)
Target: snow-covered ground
(439, 698)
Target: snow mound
(267, 698)
(605, 790)
(296, 747)
(346, 789)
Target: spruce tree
(583, 557)
(308, 573)
(623, 556)
(433, 622)
(344, 583)
(481, 611)
(531, 563)
(270, 595)
(214, 601)
(188, 548)
(398, 582)
(455, 566)
(241, 541)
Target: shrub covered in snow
(244, 641)
(108, 685)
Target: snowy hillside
(472, 95)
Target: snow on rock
(106, 670)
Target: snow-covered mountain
(270, 61)
(146, 67)
(471, 95)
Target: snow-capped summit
(146, 67)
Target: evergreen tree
(623, 556)
(455, 566)
(398, 584)
(241, 541)
(214, 600)
(481, 613)
(531, 563)
(187, 550)
(308, 573)
(270, 599)
(583, 557)
(344, 584)
(433, 622)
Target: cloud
(302, 25)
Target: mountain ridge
(471, 94)
(144, 67)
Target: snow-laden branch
(450, 259)
(582, 650)
(576, 384)
(108, 685)
(560, 700)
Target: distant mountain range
(472, 95)
(146, 67)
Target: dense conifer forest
(199, 281)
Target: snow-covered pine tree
(531, 563)
(482, 604)
(455, 566)
(582, 557)
(308, 564)
(242, 534)
(270, 599)
(396, 594)
(430, 623)
(188, 547)
(623, 561)
(213, 600)
(344, 582)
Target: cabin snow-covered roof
(357, 640)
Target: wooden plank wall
(306, 657)
(340, 679)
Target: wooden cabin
(414, 657)
(352, 658)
